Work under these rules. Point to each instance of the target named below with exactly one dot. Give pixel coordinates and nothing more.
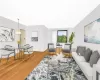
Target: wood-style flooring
(19, 69)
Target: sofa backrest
(98, 62)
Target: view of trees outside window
(62, 36)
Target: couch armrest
(96, 67)
(94, 72)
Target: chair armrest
(11, 52)
(7, 53)
(27, 47)
(30, 47)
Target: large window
(62, 36)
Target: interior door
(23, 37)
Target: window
(62, 36)
(34, 36)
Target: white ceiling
(51, 13)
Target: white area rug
(56, 68)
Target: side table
(59, 47)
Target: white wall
(41, 45)
(70, 30)
(10, 24)
(79, 30)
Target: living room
(53, 45)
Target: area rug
(50, 69)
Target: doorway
(22, 37)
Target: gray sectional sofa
(87, 61)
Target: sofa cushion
(80, 58)
(85, 66)
(87, 54)
(94, 58)
(77, 57)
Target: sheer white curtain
(54, 37)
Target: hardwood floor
(19, 69)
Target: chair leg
(28, 52)
(14, 56)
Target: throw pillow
(94, 58)
(77, 49)
(81, 50)
(87, 54)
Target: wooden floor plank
(20, 70)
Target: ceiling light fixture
(18, 31)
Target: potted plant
(71, 37)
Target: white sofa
(89, 72)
